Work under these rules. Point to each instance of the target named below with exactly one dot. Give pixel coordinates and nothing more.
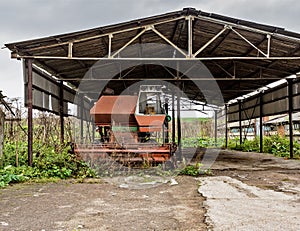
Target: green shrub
(276, 145)
(191, 170)
(202, 142)
(10, 175)
(48, 162)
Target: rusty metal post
(226, 126)
(30, 106)
(173, 116)
(240, 122)
(167, 123)
(178, 122)
(61, 112)
(216, 126)
(291, 108)
(261, 114)
(81, 107)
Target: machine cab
(150, 100)
(149, 111)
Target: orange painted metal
(150, 123)
(119, 109)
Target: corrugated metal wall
(274, 102)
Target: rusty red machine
(125, 125)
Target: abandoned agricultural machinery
(131, 128)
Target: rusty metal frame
(190, 55)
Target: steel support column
(167, 123)
(261, 115)
(216, 126)
(173, 117)
(240, 122)
(29, 105)
(81, 107)
(178, 122)
(291, 108)
(226, 126)
(61, 112)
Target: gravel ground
(249, 191)
(104, 205)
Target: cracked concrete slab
(234, 205)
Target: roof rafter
(240, 54)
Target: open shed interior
(212, 58)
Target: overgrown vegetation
(48, 162)
(51, 160)
(202, 142)
(276, 145)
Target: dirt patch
(102, 206)
(277, 180)
(257, 169)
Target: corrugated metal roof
(235, 77)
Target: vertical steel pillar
(291, 108)
(81, 117)
(167, 123)
(216, 126)
(173, 116)
(61, 112)
(240, 121)
(178, 122)
(30, 106)
(226, 126)
(261, 114)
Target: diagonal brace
(250, 43)
(210, 41)
(128, 43)
(168, 41)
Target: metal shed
(236, 56)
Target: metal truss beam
(247, 28)
(169, 79)
(159, 58)
(227, 72)
(210, 41)
(168, 41)
(74, 41)
(190, 36)
(126, 45)
(188, 55)
(250, 43)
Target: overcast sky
(27, 19)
